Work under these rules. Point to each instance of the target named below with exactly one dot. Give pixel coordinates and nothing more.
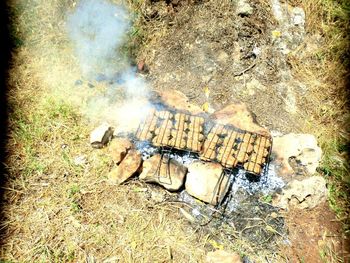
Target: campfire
(179, 147)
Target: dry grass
(325, 72)
(66, 212)
(57, 211)
(61, 212)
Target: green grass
(38, 132)
(266, 199)
(74, 197)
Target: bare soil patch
(315, 236)
(208, 44)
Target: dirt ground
(208, 44)
(315, 236)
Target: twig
(253, 218)
(244, 70)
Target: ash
(242, 208)
(146, 149)
(184, 159)
(199, 210)
(243, 185)
(267, 183)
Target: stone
(100, 136)
(222, 256)
(118, 149)
(203, 182)
(127, 168)
(298, 16)
(243, 8)
(310, 157)
(239, 116)
(302, 147)
(168, 173)
(178, 101)
(141, 66)
(303, 194)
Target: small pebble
(274, 215)
(64, 146)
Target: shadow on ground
(5, 57)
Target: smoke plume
(98, 30)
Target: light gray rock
(302, 147)
(170, 174)
(307, 193)
(291, 24)
(298, 16)
(243, 8)
(203, 182)
(309, 157)
(100, 136)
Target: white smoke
(98, 29)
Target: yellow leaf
(205, 107)
(216, 245)
(276, 33)
(206, 91)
